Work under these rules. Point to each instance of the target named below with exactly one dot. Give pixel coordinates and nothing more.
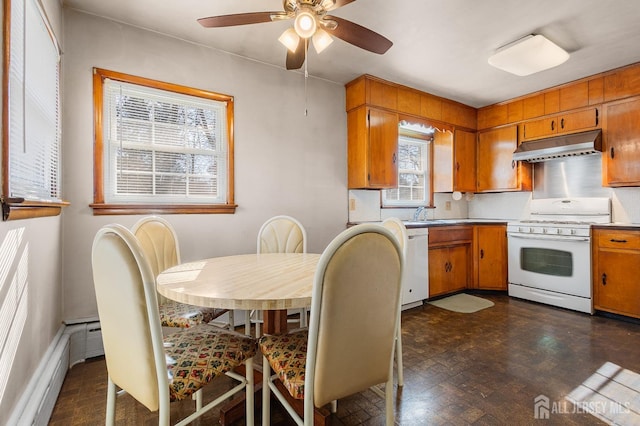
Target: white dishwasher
(415, 287)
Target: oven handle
(548, 237)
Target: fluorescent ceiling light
(531, 54)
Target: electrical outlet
(447, 205)
(352, 204)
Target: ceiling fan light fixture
(305, 24)
(321, 40)
(290, 39)
(528, 55)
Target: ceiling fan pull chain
(306, 75)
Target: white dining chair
(153, 369)
(399, 230)
(350, 342)
(159, 243)
(280, 234)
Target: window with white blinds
(413, 175)
(161, 147)
(33, 122)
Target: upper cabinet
(559, 124)
(497, 171)
(622, 143)
(372, 151)
(454, 161)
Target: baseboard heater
(74, 342)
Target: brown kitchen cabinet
(372, 151)
(449, 259)
(454, 161)
(616, 268)
(560, 124)
(622, 143)
(490, 257)
(496, 169)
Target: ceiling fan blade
(358, 35)
(239, 19)
(296, 59)
(340, 3)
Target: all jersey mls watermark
(543, 407)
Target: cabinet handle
(597, 116)
(612, 153)
(562, 123)
(553, 125)
(604, 279)
(513, 164)
(613, 240)
(481, 254)
(457, 166)
(394, 158)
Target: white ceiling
(440, 46)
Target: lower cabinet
(616, 268)
(449, 259)
(490, 257)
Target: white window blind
(413, 174)
(34, 124)
(162, 146)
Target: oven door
(558, 264)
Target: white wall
(30, 290)
(285, 163)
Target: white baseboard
(72, 344)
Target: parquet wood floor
(484, 368)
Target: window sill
(27, 209)
(125, 209)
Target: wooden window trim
(99, 206)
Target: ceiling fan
(310, 21)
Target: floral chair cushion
(197, 355)
(176, 314)
(287, 355)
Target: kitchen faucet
(416, 214)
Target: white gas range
(550, 254)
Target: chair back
(129, 318)
(354, 314)
(159, 243)
(282, 234)
(399, 230)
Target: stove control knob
(573, 232)
(530, 230)
(559, 231)
(544, 230)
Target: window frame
(14, 208)
(428, 200)
(99, 206)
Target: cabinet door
(540, 128)
(622, 143)
(383, 149)
(464, 161)
(580, 120)
(458, 267)
(496, 169)
(490, 257)
(438, 271)
(443, 158)
(616, 282)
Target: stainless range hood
(559, 146)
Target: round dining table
(270, 282)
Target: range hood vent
(559, 146)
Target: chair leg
(111, 403)
(198, 398)
(303, 318)
(266, 392)
(388, 390)
(247, 323)
(232, 320)
(334, 406)
(399, 356)
(249, 392)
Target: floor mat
(462, 302)
(612, 394)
